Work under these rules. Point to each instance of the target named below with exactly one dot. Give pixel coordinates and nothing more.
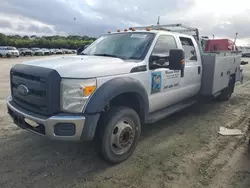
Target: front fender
(105, 94)
(113, 88)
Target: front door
(164, 82)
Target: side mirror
(176, 60)
(86, 46)
(156, 62)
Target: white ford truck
(120, 82)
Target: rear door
(191, 82)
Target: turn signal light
(147, 29)
(88, 90)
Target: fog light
(65, 129)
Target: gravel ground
(183, 150)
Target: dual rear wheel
(227, 92)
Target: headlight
(75, 93)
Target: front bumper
(12, 54)
(58, 127)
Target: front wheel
(119, 134)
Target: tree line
(70, 42)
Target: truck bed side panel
(208, 63)
(223, 64)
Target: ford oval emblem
(23, 90)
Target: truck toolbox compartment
(217, 68)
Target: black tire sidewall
(113, 116)
(227, 92)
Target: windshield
(121, 45)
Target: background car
(52, 51)
(65, 51)
(25, 51)
(8, 51)
(46, 51)
(58, 51)
(38, 51)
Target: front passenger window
(163, 45)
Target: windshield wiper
(106, 55)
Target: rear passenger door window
(188, 46)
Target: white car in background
(58, 51)
(46, 51)
(37, 51)
(52, 51)
(66, 51)
(8, 51)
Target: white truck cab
(120, 82)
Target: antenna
(235, 38)
(158, 22)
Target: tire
(118, 134)
(1, 55)
(227, 92)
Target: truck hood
(85, 66)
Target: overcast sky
(223, 18)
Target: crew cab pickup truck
(120, 82)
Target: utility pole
(74, 32)
(158, 22)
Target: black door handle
(199, 70)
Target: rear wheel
(119, 134)
(227, 92)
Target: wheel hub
(122, 137)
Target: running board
(161, 114)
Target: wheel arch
(115, 92)
(116, 88)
